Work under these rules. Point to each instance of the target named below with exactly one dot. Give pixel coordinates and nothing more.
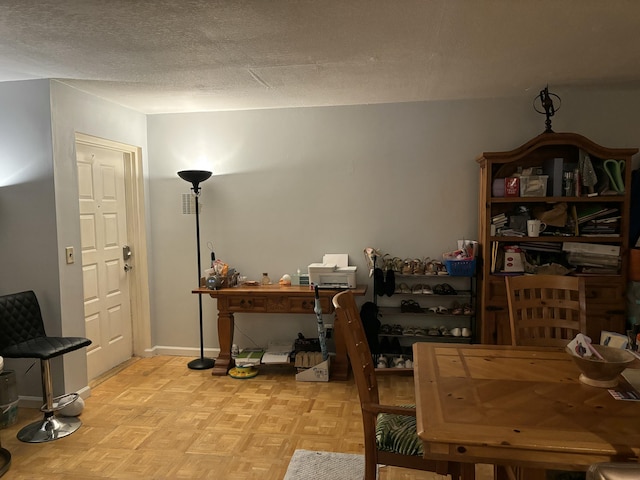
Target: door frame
(137, 236)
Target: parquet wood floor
(156, 419)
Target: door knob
(127, 267)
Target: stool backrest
(20, 318)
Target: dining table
(522, 409)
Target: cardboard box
(316, 373)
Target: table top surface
(525, 401)
(276, 289)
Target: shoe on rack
(407, 268)
(397, 330)
(409, 331)
(378, 282)
(418, 267)
(398, 362)
(410, 306)
(421, 332)
(448, 289)
(382, 362)
(444, 331)
(390, 282)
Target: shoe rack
(557, 159)
(427, 306)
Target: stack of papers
(595, 257)
(277, 353)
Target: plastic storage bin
(460, 268)
(533, 186)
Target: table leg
(225, 336)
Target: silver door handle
(126, 252)
(127, 267)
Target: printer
(333, 272)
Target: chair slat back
(546, 310)
(349, 325)
(20, 318)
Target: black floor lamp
(195, 177)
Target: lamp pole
(195, 177)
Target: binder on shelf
(554, 167)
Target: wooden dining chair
(546, 310)
(390, 435)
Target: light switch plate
(68, 252)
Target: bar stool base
(51, 428)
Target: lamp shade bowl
(194, 176)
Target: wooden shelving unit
(606, 302)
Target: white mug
(534, 227)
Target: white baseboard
(29, 401)
(182, 351)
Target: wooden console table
(272, 299)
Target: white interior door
(103, 218)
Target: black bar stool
(22, 335)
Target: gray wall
(39, 206)
(28, 244)
(289, 185)
(292, 184)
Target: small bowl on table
(603, 373)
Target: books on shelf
(593, 260)
(541, 246)
(590, 212)
(498, 222)
(593, 257)
(591, 248)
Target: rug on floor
(313, 465)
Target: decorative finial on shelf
(546, 103)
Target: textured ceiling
(184, 56)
